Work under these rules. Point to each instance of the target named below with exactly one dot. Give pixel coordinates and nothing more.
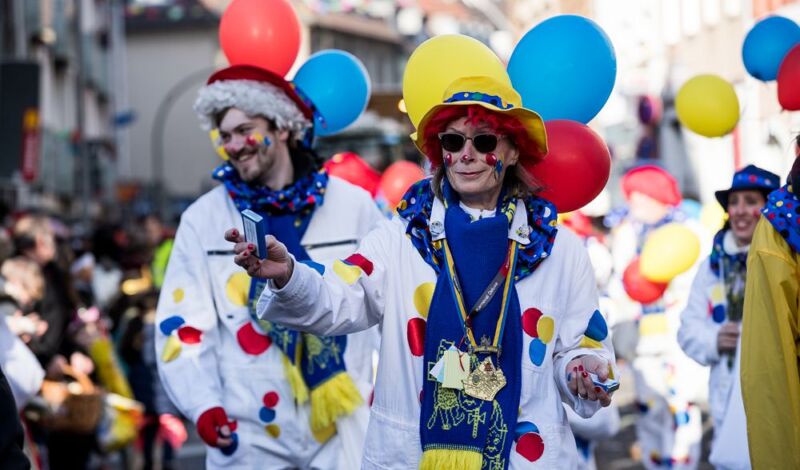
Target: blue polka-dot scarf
(731, 270)
(301, 196)
(416, 206)
(782, 211)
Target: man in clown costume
(669, 424)
(262, 395)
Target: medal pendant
(485, 381)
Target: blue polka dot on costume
(597, 329)
(537, 350)
(168, 325)
(718, 313)
(525, 427)
(681, 418)
(266, 415)
(315, 266)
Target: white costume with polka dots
(698, 338)
(234, 365)
(392, 287)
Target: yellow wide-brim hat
(494, 96)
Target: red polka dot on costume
(189, 335)
(530, 320)
(358, 260)
(270, 399)
(530, 446)
(251, 341)
(415, 334)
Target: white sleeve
(603, 425)
(698, 336)
(191, 377)
(22, 370)
(340, 297)
(581, 304)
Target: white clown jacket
(396, 295)
(220, 356)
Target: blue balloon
(564, 68)
(338, 85)
(766, 44)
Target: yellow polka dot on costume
(177, 295)
(422, 298)
(172, 349)
(587, 342)
(237, 288)
(402, 205)
(347, 272)
(717, 294)
(273, 430)
(545, 326)
(779, 203)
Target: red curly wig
(500, 123)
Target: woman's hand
(277, 265)
(580, 383)
(728, 337)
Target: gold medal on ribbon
(485, 381)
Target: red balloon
(576, 167)
(351, 168)
(640, 288)
(789, 80)
(264, 33)
(397, 178)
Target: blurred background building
(141, 62)
(57, 101)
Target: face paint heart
(491, 159)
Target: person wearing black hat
(770, 336)
(710, 323)
(262, 395)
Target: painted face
(645, 209)
(475, 174)
(744, 210)
(250, 144)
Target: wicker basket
(75, 406)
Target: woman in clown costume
(488, 312)
(668, 427)
(770, 335)
(709, 331)
(263, 395)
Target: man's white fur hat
(256, 92)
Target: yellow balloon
(440, 60)
(669, 251)
(707, 105)
(712, 216)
